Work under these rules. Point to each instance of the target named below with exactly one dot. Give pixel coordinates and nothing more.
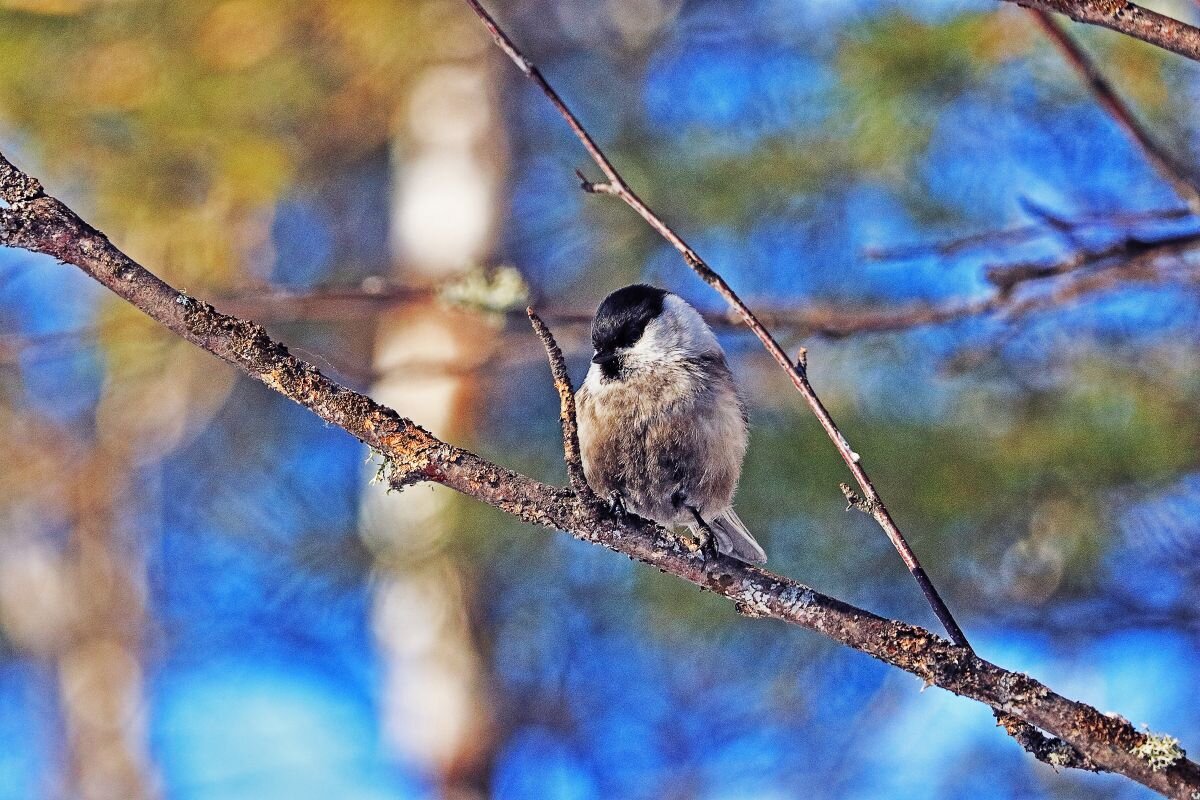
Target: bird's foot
(616, 505)
(704, 541)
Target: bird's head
(643, 327)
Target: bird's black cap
(623, 316)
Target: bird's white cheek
(592, 381)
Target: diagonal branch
(1129, 19)
(1182, 181)
(566, 396)
(36, 222)
(615, 185)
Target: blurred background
(202, 594)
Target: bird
(662, 428)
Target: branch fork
(592, 187)
(856, 501)
(42, 224)
(48, 226)
(570, 431)
(617, 186)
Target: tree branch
(829, 320)
(1121, 256)
(1129, 19)
(1182, 181)
(36, 222)
(566, 397)
(1052, 751)
(798, 373)
(833, 322)
(1019, 234)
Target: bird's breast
(655, 435)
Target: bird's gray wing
(733, 539)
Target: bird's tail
(734, 540)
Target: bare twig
(39, 223)
(833, 321)
(1120, 254)
(566, 397)
(1018, 234)
(617, 187)
(1078, 277)
(1129, 19)
(1182, 180)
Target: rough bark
(1129, 19)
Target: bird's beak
(604, 357)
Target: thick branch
(617, 187)
(42, 224)
(1129, 19)
(1120, 257)
(1182, 181)
(36, 222)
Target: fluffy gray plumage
(660, 420)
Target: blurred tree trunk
(446, 164)
(99, 665)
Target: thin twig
(1017, 234)
(1008, 277)
(1129, 19)
(1182, 181)
(36, 222)
(833, 321)
(617, 187)
(566, 397)
(1105, 269)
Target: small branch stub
(1047, 749)
(857, 501)
(591, 187)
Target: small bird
(662, 431)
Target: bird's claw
(706, 546)
(616, 505)
(703, 541)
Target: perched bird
(662, 431)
